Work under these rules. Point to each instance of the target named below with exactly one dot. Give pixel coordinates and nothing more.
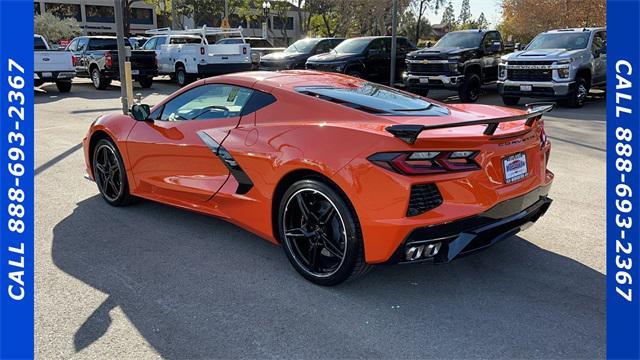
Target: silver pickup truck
(562, 64)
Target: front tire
(321, 234)
(577, 98)
(110, 175)
(469, 91)
(182, 78)
(63, 86)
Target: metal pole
(119, 18)
(394, 25)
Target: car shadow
(83, 89)
(199, 287)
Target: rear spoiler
(409, 133)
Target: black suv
(296, 55)
(462, 61)
(365, 57)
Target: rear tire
(99, 82)
(63, 86)
(146, 82)
(510, 100)
(110, 175)
(320, 234)
(469, 91)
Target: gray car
(563, 64)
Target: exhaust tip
(422, 251)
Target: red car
(342, 172)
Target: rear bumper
(474, 233)
(538, 89)
(53, 76)
(220, 69)
(114, 73)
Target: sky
(491, 9)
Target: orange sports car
(342, 172)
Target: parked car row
(563, 64)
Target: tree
(482, 22)
(280, 9)
(55, 29)
(449, 17)
(524, 19)
(465, 19)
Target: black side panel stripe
(244, 182)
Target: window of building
(277, 23)
(141, 16)
(64, 11)
(99, 13)
(235, 20)
(36, 8)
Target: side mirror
(140, 112)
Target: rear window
(186, 40)
(39, 44)
(106, 44)
(259, 43)
(376, 99)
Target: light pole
(266, 7)
(394, 26)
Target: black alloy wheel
(320, 234)
(110, 175)
(469, 91)
(579, 96)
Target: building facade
(97, 17)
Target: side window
(489, 38)
(73, 45)
(404, 45)
(599, 42)
(161, 41)
(211, 101)
(377, 45)
(82, 44)
(335, 42)
(323, 47)
(150, 44)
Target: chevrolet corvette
(342, 172)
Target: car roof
(474, 30)
(287, 80)
(586, 29)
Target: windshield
(303, 46)
(461, 40)
(568, 41)
(352, 46)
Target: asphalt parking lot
(153, 281)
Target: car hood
(282, 56)
(438, 53)
(330, 57)
(541, 54)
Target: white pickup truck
(52, 66)
(187, 55)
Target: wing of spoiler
(409, 133)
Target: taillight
(108, 60)
(202, 50)
(244, 50)
(426, 162)
(74, 60)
